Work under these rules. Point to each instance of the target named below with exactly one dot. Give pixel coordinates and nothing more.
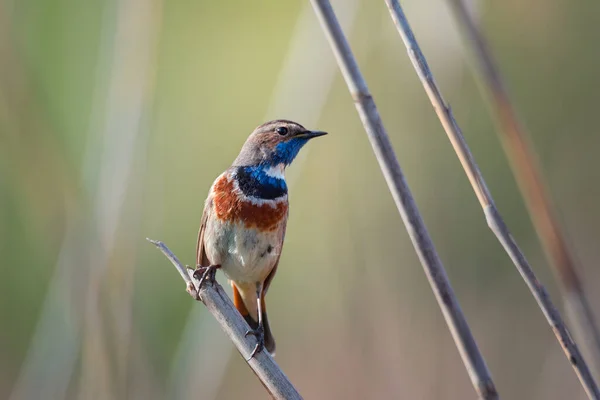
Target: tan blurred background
(115, 117)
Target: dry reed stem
(493, 217)
(526, 171)
(220, 306)
(461, 333)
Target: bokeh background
(115, 117)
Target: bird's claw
(204, 275)
(260, 341)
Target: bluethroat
(244, 221)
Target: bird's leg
(208, 275)
(259, 331)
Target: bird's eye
(282, 130)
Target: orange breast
(229, 206)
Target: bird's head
(274, 143)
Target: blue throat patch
(285, 152)
(254, 181)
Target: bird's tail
(241, 307)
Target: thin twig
(405, 203)
(525, 168)
(220, 306)
(493, 217)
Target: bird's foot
(260, 340)
(205, 275)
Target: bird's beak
(313, 134)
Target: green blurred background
(115, 117)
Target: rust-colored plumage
(231, 207)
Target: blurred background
(116, 116)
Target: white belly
(246, 255)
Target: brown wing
(201, 258)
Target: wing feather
(201, 257)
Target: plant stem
(494, 219)
(220, 306)
(526, 171)
(405, 203)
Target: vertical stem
(405, 203)
(524, 165)
(494, 219)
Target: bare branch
(220, 306)
(405, 203)
(525, 168)
(493, 217)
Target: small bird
(244, 221)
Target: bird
(244, 221)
